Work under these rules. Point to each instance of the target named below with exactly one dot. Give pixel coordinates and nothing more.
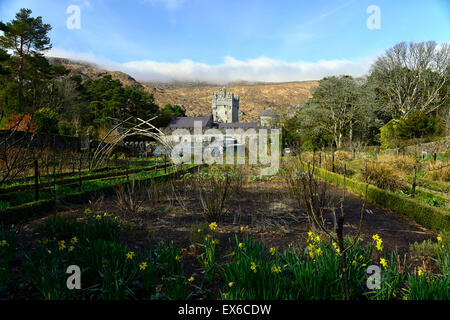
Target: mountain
(91, 71)
(284, 97)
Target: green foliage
(433, 287)
(46, 120)
(429, 217)
(256, 272)
(418, 125)
(32, 33)
(388, 134)
(65, 128)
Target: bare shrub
(216, 188)
(306, 186)
(310, 194)
(131, 196)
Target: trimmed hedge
(25, 211)
(39, 208)
(111, 173)
(430, 217)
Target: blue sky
(228, 40)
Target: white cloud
(259, 69)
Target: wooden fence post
(128, 165)
(79, 174)
(332, 159)
(36, 180)
(414, 182)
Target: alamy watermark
(74, 20)
(374, 20)
(212, 146)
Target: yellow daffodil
(143, 266)
(336, 247)
(420, 272)
(253, 267)
(240, 245)
(62, 245)
(88, 211)
(191, 279)
(74, 240)
(318, 251)
(130, 255)
(71, 248)
(213, 226)
(276, 269)
(230, 284)
(242, 228)
(4, 243)
(272, 250)
(439, 238)
(98, 217)
(383, 262)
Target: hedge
(111, 172)
(39, 208)
(430, 217)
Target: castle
(225, 114)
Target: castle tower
(225, 108)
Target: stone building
(223, 119)
(225, 108)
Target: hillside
(195, 97)
(93, 72)
(283, 97)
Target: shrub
(383, 176)
(342, 155)
(46, 120)
(216, 188)
(438, 171)
(66, 128)
(418, 125)
(402, 163)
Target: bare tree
(412, 77)
(306, 186)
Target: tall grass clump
(384, 176)
(438, 171)
(403, 163)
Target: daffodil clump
(208, 257)
(313, 245)
(378, 241)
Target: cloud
(262, 69)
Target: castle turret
(225, 108)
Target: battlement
(225, 107)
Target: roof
(188, 122)
(238, 125)
(268, 112)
